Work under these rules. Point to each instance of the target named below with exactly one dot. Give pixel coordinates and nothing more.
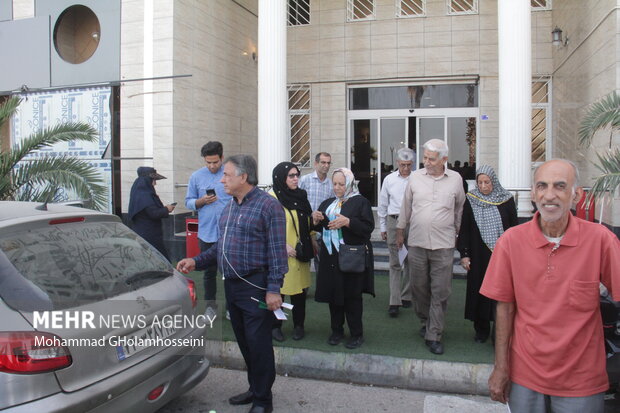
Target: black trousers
(299, 309)
(252, 328)
(352, 310)
(482, 327)
(210, 275)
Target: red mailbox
(192, 246)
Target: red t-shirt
(557, 343)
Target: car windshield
(71, 264)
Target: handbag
(300, 250)
(352, 258)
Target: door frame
(378, 115)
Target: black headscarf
(289, 198)
(142, 195)
(293, 200)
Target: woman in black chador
(489, 210)
(346, 219)
(146, 209)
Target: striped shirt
(317, 191)
(253, 239)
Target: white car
(92, 317)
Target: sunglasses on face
(293, 175)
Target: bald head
(569, 167)
(554, 191)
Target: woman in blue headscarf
(489, 210)
(146, 209)
(345, 219)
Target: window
(298, 12)
(540, 110)
(299, 121)
(462, 6)
(410, 8)
(360, 10)
(76, 34)
(541, 5)
(413, 97)
(79, 262)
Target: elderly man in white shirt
(390, 199)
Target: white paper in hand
(402, 254)
(280, 314)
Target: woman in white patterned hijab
(488, 211)
(484, 200)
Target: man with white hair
(390, 199)
(432, 207)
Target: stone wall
(204, 49)
(329, 53)
(585, 70)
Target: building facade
(364, 77)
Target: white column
(515, 98)
(273, 136)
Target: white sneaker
(211, 313)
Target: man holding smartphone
(205, 194)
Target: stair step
(382, 265)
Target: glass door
(374, 147)
(429, 128)
(364, 159)
(393, 136)
(376, 137)
(462, 143)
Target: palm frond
(602, 114)
(41, 180)
(8, 108)
(609, 180)
(65, 132)
(47, 177)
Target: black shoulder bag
(352, 258)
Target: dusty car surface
(92, 317)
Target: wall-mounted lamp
(556, 38)
(252, 55)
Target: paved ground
(292, 395)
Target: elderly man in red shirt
(545, 274)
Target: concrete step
(382, 257)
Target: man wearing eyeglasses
(390, 199)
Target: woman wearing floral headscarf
(489, 210)
(345, 219)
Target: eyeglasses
(293, 175)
